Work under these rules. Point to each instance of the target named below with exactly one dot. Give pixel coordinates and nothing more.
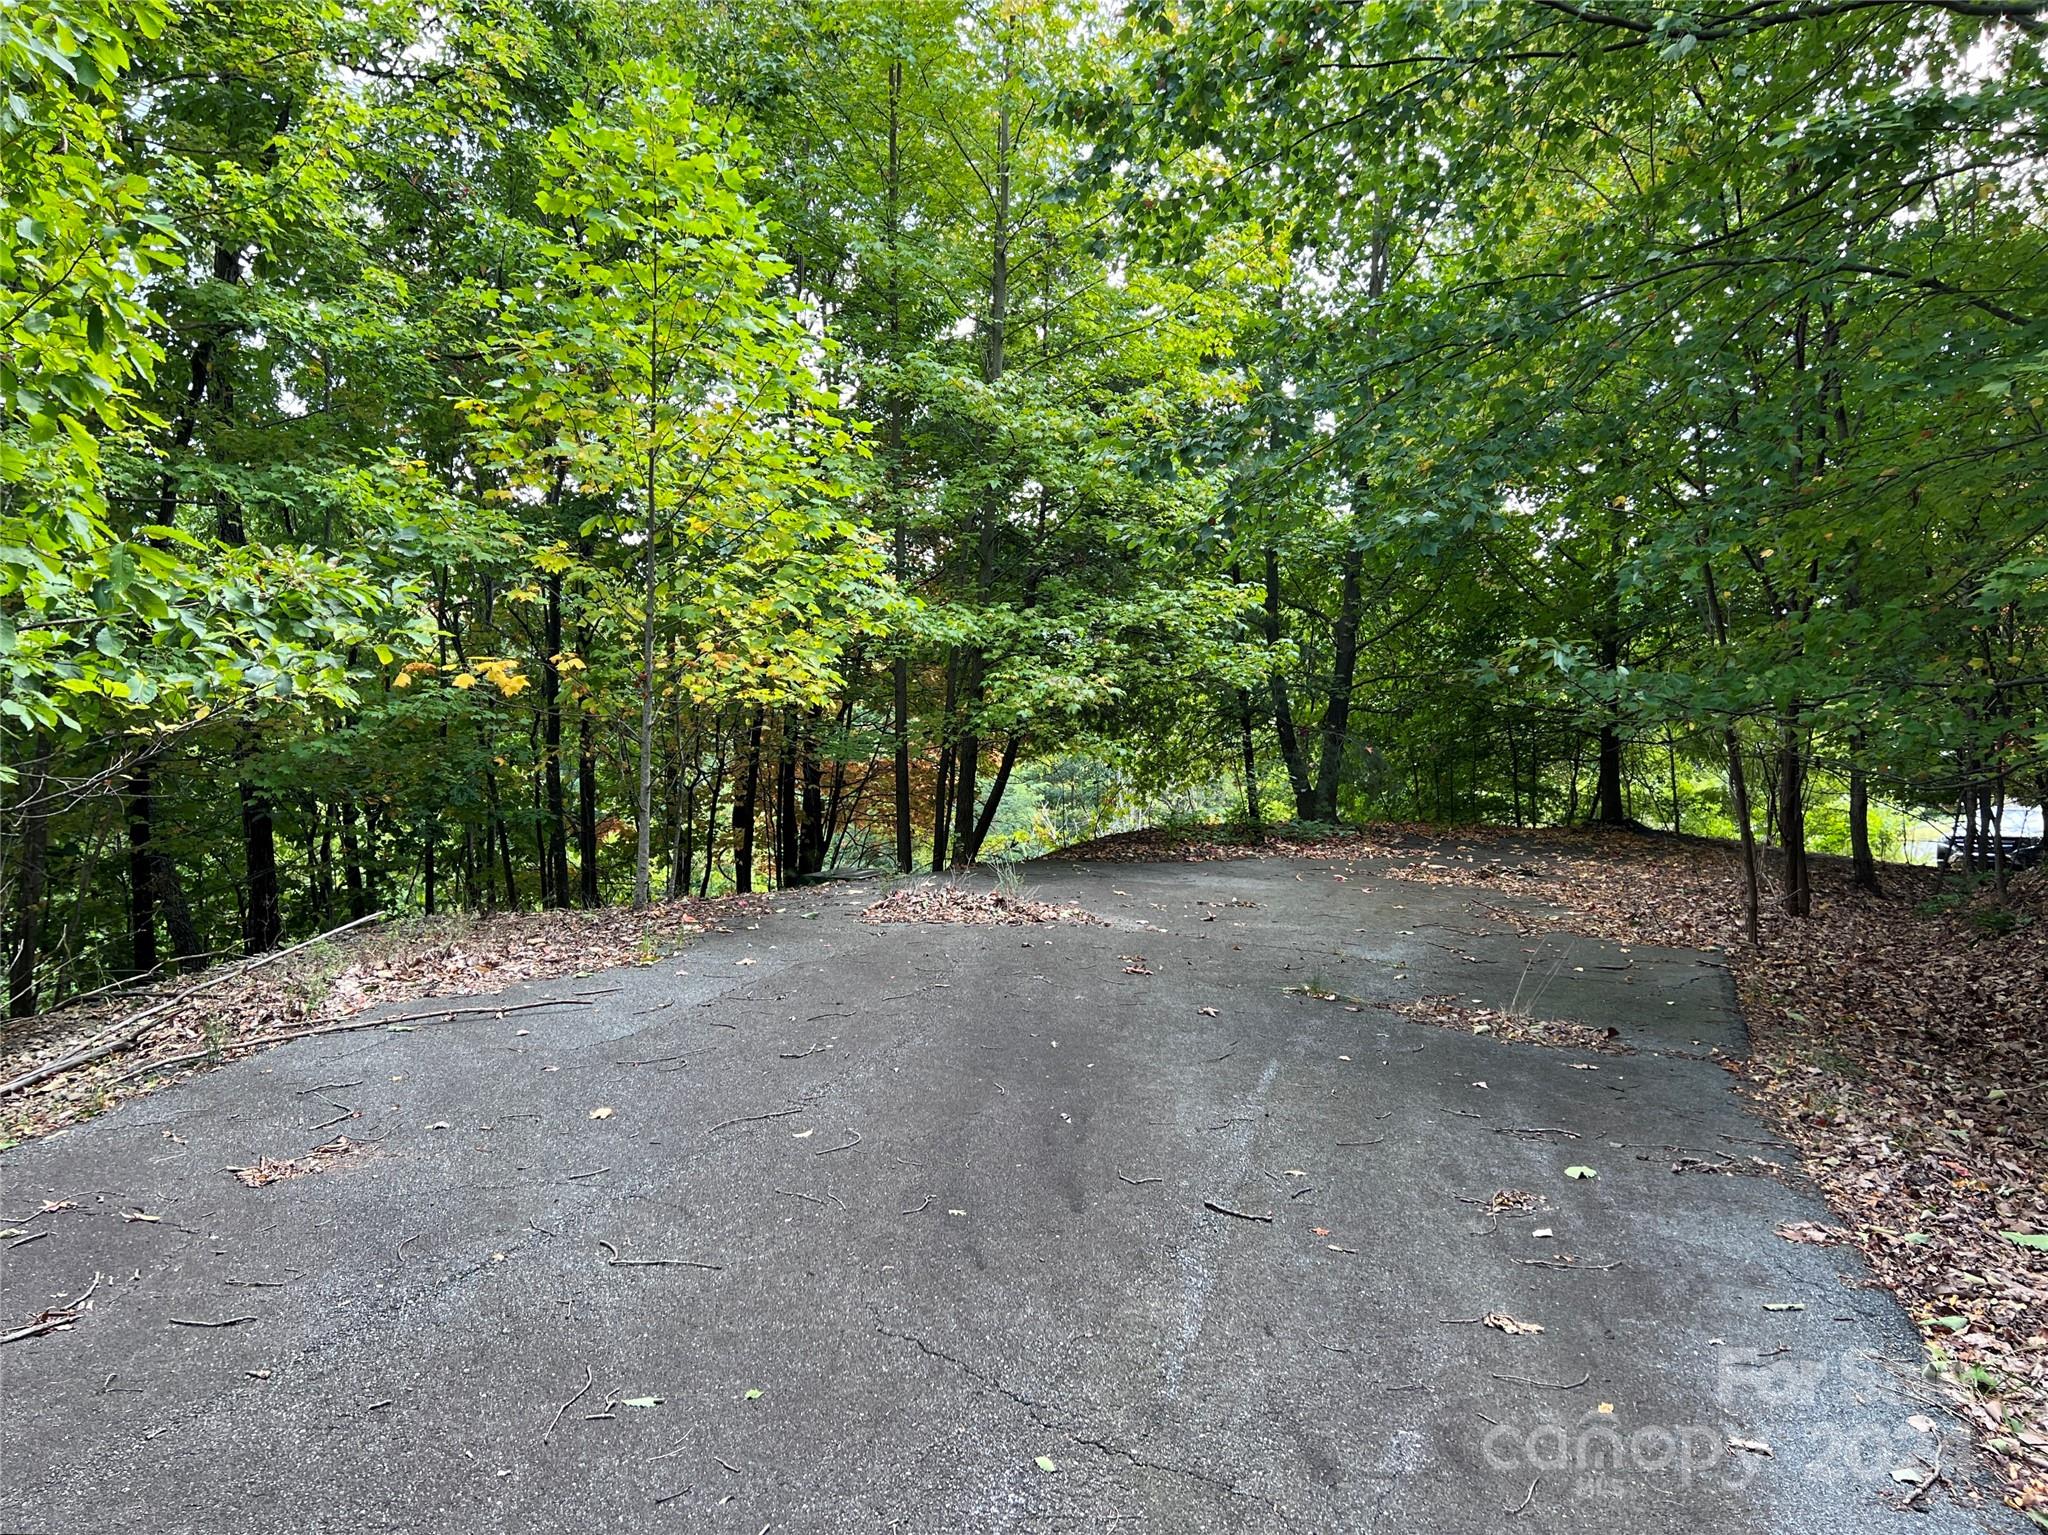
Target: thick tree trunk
(1862, 862)
(263, 918)
(966, 770)
(187, 947)
(1611, 811)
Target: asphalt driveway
(828, 1226)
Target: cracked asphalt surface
(953, 1191)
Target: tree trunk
(263, 920)
(1343, 670)
(1862, 862)
(906, 850)
(649, 592)
(24, 936)
(942, 792)
(586, 811)
(555, 883)
(1798, 896)
(995, 796)
(1611, 811)
(711, 814)
(1283, 711)
(788, 852)
(811, 844)
(352, 864)
(142, 955)
(743, 811)
(1738, 788)
(1249, 747)
(187, 947)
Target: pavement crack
(1048, 1418)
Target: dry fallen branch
(1243, 1215)
(748, 1119)
(613, 1260)
(344, 1026)
(130, 1029)
(556, 1421)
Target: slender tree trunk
(994, 335)
(352, 864)
(142, 954)
(711, 815)
(743, 811)
(1738, 788)
(427, 864)
(942, 792)
(1249, 747)
(906, 850)
(1671, 757)
(1283, 710)
(788, 851)
(505, 858)
(811, 844)
(987, 818)
(586, 811)
(649, 593)
(1798, 897)
(686, 843)
(556, 883)
(1343, 670)
(24, 935)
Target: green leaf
(2037, 1240)
(1047, 1463)
(1580, 1172)
(754, 1396)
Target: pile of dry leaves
(1451, 1013)
(322, 984)
(1901, 1040)
(946, 902)
(1209, 843)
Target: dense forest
(517, 454)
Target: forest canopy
(520, 455)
